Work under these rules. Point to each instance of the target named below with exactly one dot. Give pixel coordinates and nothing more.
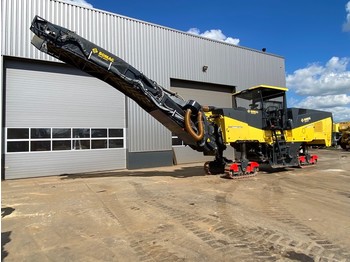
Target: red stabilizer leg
(235, 170)
(252, 167)
(302, 160)
(313, 159)
(308, 160)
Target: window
(79, 138)
(100, 143)
(116, 138)
(116, 143)
(61, 133)
(60, 138)
(176, 141)
(18, 146)
(81, 144)
(61, 145)
(99, 132)
(37, 133)
(81, 133)
(17, 133)
(40, 145)
(18, 140)
(115, 132)
(56, 139)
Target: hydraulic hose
(189, 129)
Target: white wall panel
(50, 95)
(58, 163)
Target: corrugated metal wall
(161, 53)
(55, 95)
(69, 163)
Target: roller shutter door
(60, 120)
(205, 94)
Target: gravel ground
(179, 214)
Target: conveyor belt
(167, 107)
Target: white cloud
(324, 87)
(346, 25)
(79, 2)
(340, 113)
(333, 78)
(339, 108)
(329, 101)
(215, 34)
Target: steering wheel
(271, 109)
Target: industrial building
(59, 120)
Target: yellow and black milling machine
(260, 126)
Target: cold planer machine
(259, 126)
(265, 131)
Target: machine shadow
(5, 238)
(5, 211)
(183, 172)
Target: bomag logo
(306, 119)
(253, 112)
(102, 55)
(105, 57)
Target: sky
(313, 37)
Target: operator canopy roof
(261, 91)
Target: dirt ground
(180, 214)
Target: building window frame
(176, 141)
(99, 140)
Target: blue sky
(312, 36)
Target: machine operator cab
(269, 102)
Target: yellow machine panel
(316, 133)
(234, 130)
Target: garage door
(206, 94)
(59, 120)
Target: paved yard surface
(179, 214)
